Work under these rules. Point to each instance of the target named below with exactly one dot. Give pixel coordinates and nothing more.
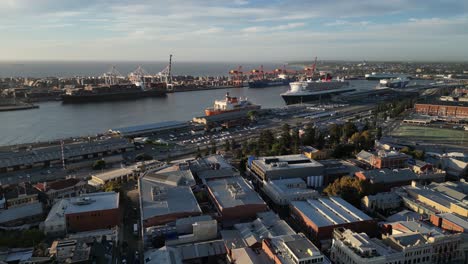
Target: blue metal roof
(152, 126)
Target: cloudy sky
(233, 30)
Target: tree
(379, 133)
(349, 129)
(285, 139)
(99, 164)
(265, 140)
(227, 145)
(295, 141)
(335, 132)
(349, 188)
(309, 136)
(233, 144)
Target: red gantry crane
(237, 77)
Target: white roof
(233, 191)
(86, 203)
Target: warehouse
(140, 130)
(320, 216)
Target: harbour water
(54, 120)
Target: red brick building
(453, 111)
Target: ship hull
(211, 112)
(303, 98)
(265, 84)
(111, 97)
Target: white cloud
(259, 29)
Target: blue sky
(234, 30)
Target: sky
(234, 30)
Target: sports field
(431, 134)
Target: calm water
(55, 120)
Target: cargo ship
(315, 90)
(267, 83)
(114, 92)
(230, 104)
(281, 80)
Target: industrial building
(72, 153)
(166, 195)
(234, 199)
(320, 216)
(148, 129)
(84, 213)
(288, 166)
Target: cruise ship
(230, 104)
(309, 90)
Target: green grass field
(431, 134)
